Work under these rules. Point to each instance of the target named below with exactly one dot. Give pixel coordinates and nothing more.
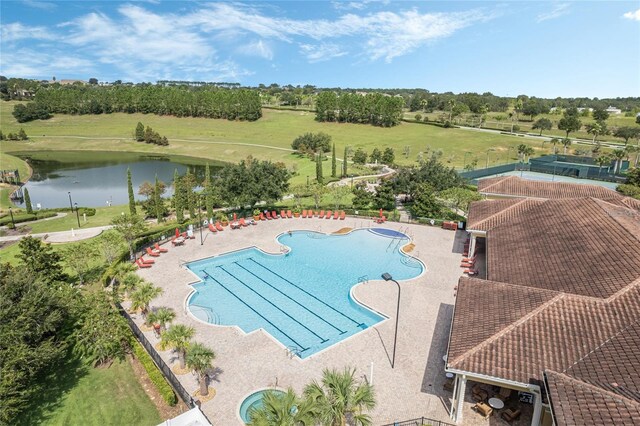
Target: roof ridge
(511, 326)
(614, 217)
(502, 179)
(622, 291)
(505, 210)
(604, 391)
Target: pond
(98, 179)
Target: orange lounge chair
(471, 271)
(269, 216)
(142, 265)
(262, 216)
(152, 252)
(283, 214)
(289, 214)
(212, 228)
(343, 215)
(328, 215)
(274, 214)
(321, 215)
(304, 214)
(160, 249)
(219, 227)
(147, 261)
(336, 214)
(242, 222)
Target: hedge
(166, 391)
(26, 217)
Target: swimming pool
(254, 402)
(302, 299)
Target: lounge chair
(510, 414)
(468, 264)
(142, 265)
(262, 216)
(479, 394)
(484, 409)
(289, 214)
(152, 252)
(321, 215)
(328, 215)
(147, 261)
(268, 215)
(274, 214)
(219, 227)
(342, 215)
(336, 214)
(504, 394)
(471, 271)
(212, 228)
(283, 214)
(304, 214)
(160, 249)
(242, 222)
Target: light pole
(387, 277)
(487, 165)
(464, 161)
(70, 202)
(200, 218)
(13, 225)
(77, 214)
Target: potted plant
(256, 215)
(296, 211)
(224, 220)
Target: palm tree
(566, 142)
(554, 142)
(602, 161)
(199, 359)
(340, 399)
(286, 409)
(161, 316)
(178, 336)
(141, 298)
(618, 154)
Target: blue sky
(549, 49)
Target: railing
(420, 421)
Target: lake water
(98, 179)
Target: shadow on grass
(52, 390)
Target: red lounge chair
(342, 215)
(147, 261)
(160, 249)
(219, 227)
(142, 265)
(283, 214)
(336, 214)
(471, 271)
(328, 215)
(212, 228)
(304, 214)
(152, 252)
(262, 216)
(274, 214)
(242, 222)
(289, 214)
(268, 215)
(321, 215)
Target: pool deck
(245, 363)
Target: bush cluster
(31, 111)
(20, 136)
(25, 217)
(165, 390)
(312, 142)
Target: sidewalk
(62, 236)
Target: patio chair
(142, 265)
(504, 394)
(283, 214)
(510, 414)
(304, 214)
(147, 261)
(160, 249)
(342, 215)
(328, 215)
(154, 253)
(242, 222)
(484, 409)
(478, 394)
(321, 215)
(268, 216)
(336, 214)
(274, 215)
(219, 227)
(212, 228)
(289, 214)
(262, 216)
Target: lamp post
(77, 214)
(200, 218)
(13, 225)
(464, 161)
(70, 202)
(387, 277)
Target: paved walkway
(62, 236)
(248, 362)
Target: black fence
(164, 368)
(421, 421)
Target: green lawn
(81, 395)
(103, 216)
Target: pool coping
(277, 388)
(243, 333)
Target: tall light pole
(77, 214)
(70, 202)
(387, 277)
(487, 165)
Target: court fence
(420, 421)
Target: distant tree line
(20, 136)
(372, 108)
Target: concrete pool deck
(247, 362)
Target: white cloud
(35, 64)
(321, 52)
(634, 16)
(40, 4)
(17, 31)
(558, 10)
(259, 48)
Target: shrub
(26, 217)
(165, 390)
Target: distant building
(67, 82)
(612, 110)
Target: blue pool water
(301, 298)
(253, 401)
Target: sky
(537, 48)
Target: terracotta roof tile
(514, 186)
(485, 215)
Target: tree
(359, 157)
(40, 260)
(101, 334)
(109, 245)
(142, 297)
(600, 114)
(524, 151)
(132, 200)
(29, 112)
(626, 133)
(282, 409)
(618, 155)
(199, 359)
(362, 198)
(601, 161)
(570, 121)
(187, 185)
(22, 135)
(333, 162)
(93, 81)
(140, 132)
(339, 193)
(338, 398)
(344, 162)
(160, 209)
(75, 257)
(178, 197)
(385, 198)
(388, 157)
(129, 226)
(638, 119)
(312, 142)
(319, 177)
(554, 142)
(460, 198)
(566, 142)
(542, 124)
(596, 129)
(208, 189)
(425, 203)
(27, 201)
(251, 181)
(376, 155)
(161, 316)
(178, 337)
(317, 191)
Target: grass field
(268, 138)
(81, 395)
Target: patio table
(496, 403)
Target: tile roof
(514, 186)
(580, 246)
(577, 403)
(489, 213)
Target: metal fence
(489, 171)
(421, 421)
(164, 368)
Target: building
(613, 110)
(558, 315)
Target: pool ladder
(363, 279)
(292, 351)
